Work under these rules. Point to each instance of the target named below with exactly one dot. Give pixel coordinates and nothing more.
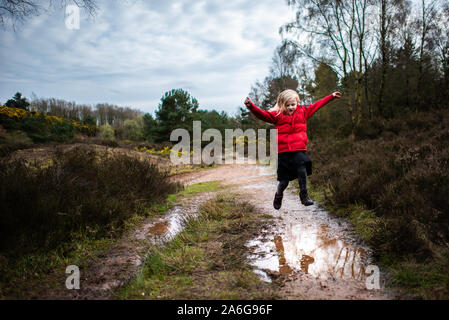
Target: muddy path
(109, 270)
(315, 255)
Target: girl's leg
(302, 180)
(277, 202)
(282, 186)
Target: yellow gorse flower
(18, 115)
(164, 152)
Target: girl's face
(291, 106)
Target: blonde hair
(283, 98)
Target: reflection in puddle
(262, 275)
(310, 250)
(283, 266)
(159, 228)
(166, 228)
(320, 254)
(305, 261)
(265, 255)
(176, 220)
(306, 239)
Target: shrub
(40, 125)
(11, 124)
(369, 129)
(16, 138)
(79, 193)
(344, 130)
(13, 141)
(36, 128)
(133, 129)
(119, 133)
(61, 131)
(109, 143)
(403, 179)
(107, 132)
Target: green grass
(188, 191)
(207, 260)
(422, 280)
(22, 277)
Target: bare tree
(441, 36)
(392, 15)
(284, 60)
(17, 10)
(257, 93)
(337, 33)
(428, 26)
(12, 11)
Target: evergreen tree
(149, 125)
(176, 110)
(18, 102)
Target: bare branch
(13, 11)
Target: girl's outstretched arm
(311, 109)
(259, 113)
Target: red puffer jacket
(291, 129)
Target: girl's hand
(337, 94)
(247, 102)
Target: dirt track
(316, 253)
(313, 252)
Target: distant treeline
(177, 109)
(101, 114)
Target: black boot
(277, 202)
(302, 181)
(305, 200)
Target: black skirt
(288, 162)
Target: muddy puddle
(304, 239)
(165, 228)
(311, 252)
(317, 252)
(159, 230)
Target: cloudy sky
(133, 51)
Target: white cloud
(134, 51)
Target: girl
(290, 119)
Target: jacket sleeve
(312, 108)
(262, 114)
